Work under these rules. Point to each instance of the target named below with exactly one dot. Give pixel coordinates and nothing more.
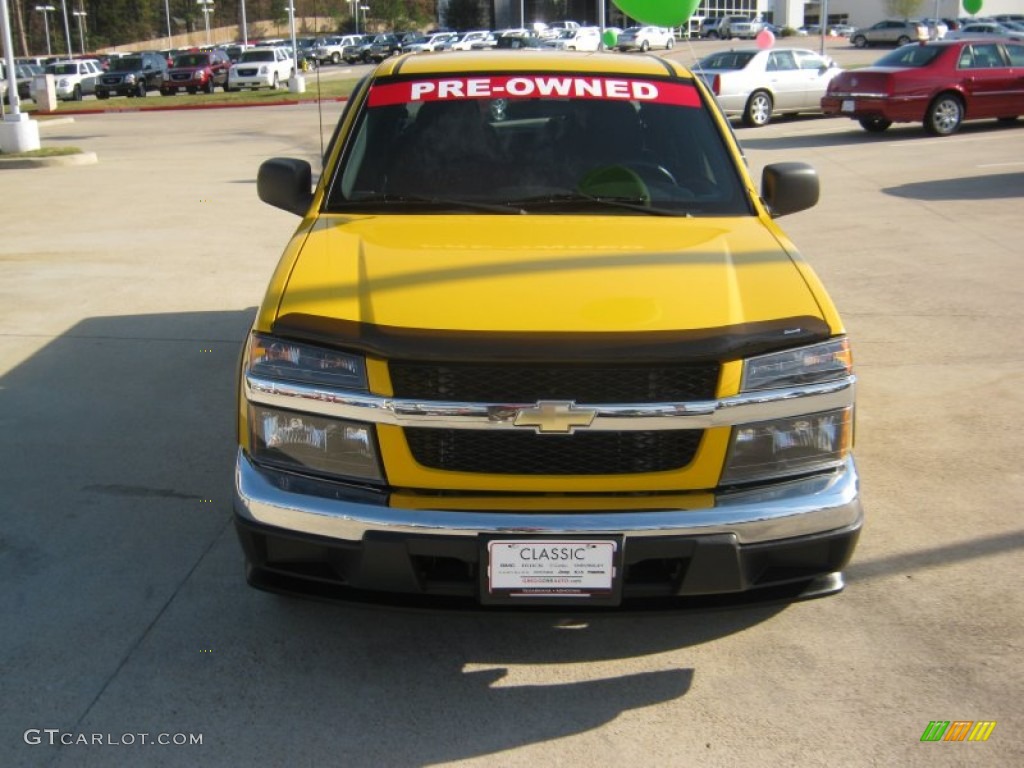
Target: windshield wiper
(418, 200)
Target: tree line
(113, 23)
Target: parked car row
(567, 35)
(938, 83)
(193, 71)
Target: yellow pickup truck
(538, 340)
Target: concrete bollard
(44, 93)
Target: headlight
(273, 358)
(792, 446)
(129, 78)
(806, 365)
(300, 441)
(63, 82)
(264, 69)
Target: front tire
(645, 47)
(859, 41)
(208, 87)
(944, 115)
(874, 124)
(76, 94)
(276, 84)
(669, 44)
(758, 111)
(335, 58)
(140, 90)
(903, 40)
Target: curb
(79, 158)
(184, 107)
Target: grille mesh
(527, 453)
(527, 383)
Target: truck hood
(543, 273)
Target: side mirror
(789, 187)
(286, 183)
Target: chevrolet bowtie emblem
(554, 417)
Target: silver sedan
(756, 84)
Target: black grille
(527, 383)
(528, 453)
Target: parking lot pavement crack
(150, 626)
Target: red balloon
(765, 39)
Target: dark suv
(384, 45)
(197, 71)
(132, 76)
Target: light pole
(46, 10)
(167, 13)
(296, 83)
(290, 10)
(18, 132)
(356, 7)
(81, 28)
(207, 7)
(67, 29)
(355, 13)
(824, 24)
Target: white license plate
(848, 105)
(551, 568)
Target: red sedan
(939, 83)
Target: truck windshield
(537, 144)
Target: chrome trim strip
(702, 414)
(778, 511)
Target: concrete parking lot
(126, 288)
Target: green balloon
(662, 13)
(609, 38)
(972, 6)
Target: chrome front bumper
(775, 512)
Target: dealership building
(785, 13)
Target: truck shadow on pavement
(127, 547)
(857, 136)
(936, 557)
(988, 187)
